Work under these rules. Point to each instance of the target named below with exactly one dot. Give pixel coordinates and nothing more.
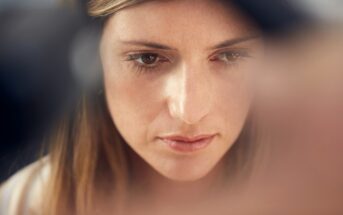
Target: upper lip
(189, 139)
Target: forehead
(178, 21)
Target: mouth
(186, 143)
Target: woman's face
(177, 80)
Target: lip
(182, 143)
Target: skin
(195, 87)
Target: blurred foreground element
(300, 100)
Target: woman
(171, 125)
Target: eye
(230, 56)
(147, 59)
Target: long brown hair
(88, 155)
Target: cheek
(133, 105)
(232, 102)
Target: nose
(189, 94)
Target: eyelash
(140, 66)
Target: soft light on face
(177, 82)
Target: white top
(24, 189)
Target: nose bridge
(191, 98)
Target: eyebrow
(148, 44)
(234, 41)
(223, 44)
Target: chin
(186, 171)
(185, 177)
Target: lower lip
(188, 146)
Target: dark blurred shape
(36, 83)
(274, 17)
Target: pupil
(149, 58)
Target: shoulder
(23, 189)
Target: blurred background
(48, 54)
(41, 45)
